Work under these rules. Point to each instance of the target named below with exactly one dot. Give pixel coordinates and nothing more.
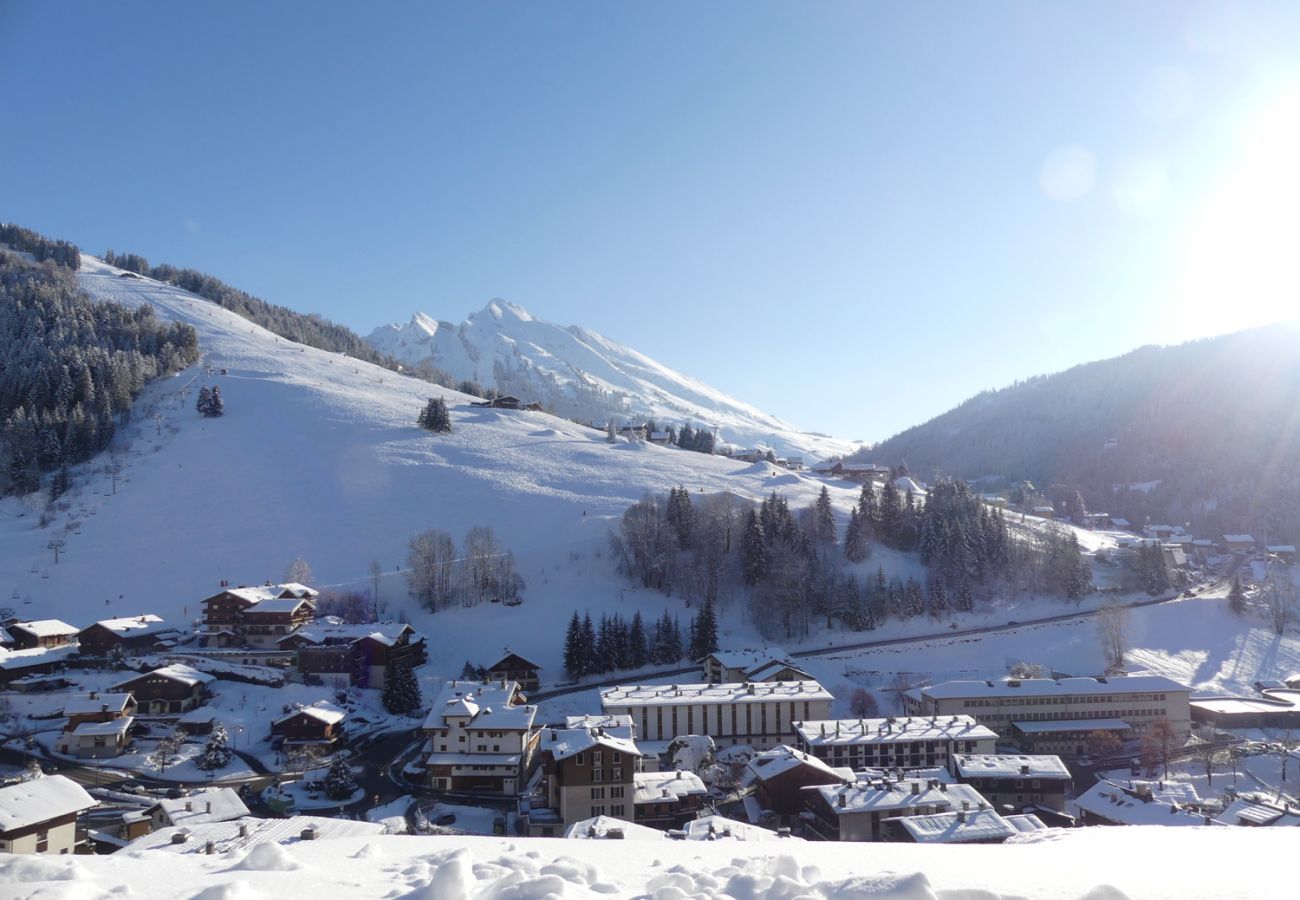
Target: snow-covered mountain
(583, 375)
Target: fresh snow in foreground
(1093, 863)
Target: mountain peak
(504, 309)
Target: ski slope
(584, 375)
(318, 457)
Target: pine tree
(855, 538)
(867, 510)
(573, 647)
(638, 648)
(1237, 597)
(339, 783)
(204, 403)
(217, 406)
(216, 753)
(753, 550)
(401, 694)
(938, 599)
(823, 518)
(587, 646)
(704, 631)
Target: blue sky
(852, 215)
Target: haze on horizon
(850, 216)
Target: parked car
(445, 819)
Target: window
(597, 757)
(582, 759)
(616, 792)
(42, 841)
(597, 775)
(616, 757)
(598, 793)
(618, 774)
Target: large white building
(903, 742)
(760, 714)
(480, 737)
(1138, 700)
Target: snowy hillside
(318, 457)
(585, 376)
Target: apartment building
(907, 742)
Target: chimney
(243, 829)
(94, 695)
(965, 805)
(842, 802)
(961, 816)
(916, 788)
(181, 836)
(308, 833)
(678, 776)
(1024, 769)
(189, 806)
(614, 834)
(103, 707)
(209, 848)
(209, 806)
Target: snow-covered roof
(321, 710)
(173, 672)
(1238, 539)
(1259, 811)
(40, 800)
(1281, 548)
(44, 628)
(887, 795)
(519, 656)
(113, 727)
(5, 636)
(1025, 823)
(905, 483)
(767, 670)
(1142, 802)
(747, 658)
(262, 593)
(212, 805)
(957, 827)
(486, 703)
(769, 764)
(661, 787)
(16, 660)
(1053, 726)
(1120, 522)
(1000, 765)
(225, 836)
(1244, 705)
(136, 626)
(387, 633)
(563, 743)
(1046, 687)
(683, 694)
(600, 827)
(720, 828)
(95, 703)
(277, 605)
(619, 726)
(903, 729)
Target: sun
(1243, 255)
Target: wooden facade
(513, 667)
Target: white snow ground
(585, 375)
(1091, 863)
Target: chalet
(588, 768)
(119, 831)
(658, 437)
(608, 828)
(479, 737)
(761, 664)
(18, 666)
(1174, 556)
(40, 816)
(859, 811)
(864, 473)
(1159, 532)
(361, 654)
(1044, 512)
(778, 777)
(1014, 780)
(97, 740)
(750, 456)
(1239, 543)
(829, 470)
(1121, 523)
(1141, 803)
(667, 799)
(135, 635)
(320, 724)
(199, 808)
(1283, 553)
(506, 402)
(720, 828)
(172, 689)
(97, 707)
(42, 633)
(256, 616)
(513, 667)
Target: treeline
(311, 329)
(61, 253)
(440, 576)
(794, 567)
(70, 369)
(617, 644)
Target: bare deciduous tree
(1278, 593)
(1158, 742)
(298, 572)
(862, 704)
(430, 566)
(1112, 629)
(1211, 756)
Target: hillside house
(133, 636)
(859, 811)
(1174, 556)
(658, 437)
(506, 402)
(1141, 803)
(40, 816)
(28, 665)
(97, 740)
(1283, 553)
(171, 689)
(1121, 523)
(667, 799)
(864, 473)
(1239, 543)
(479, 737)
(200, 808)
(319, 724)
(513, 667)
(1260, 811)
(829, 470)
(761, 715)
(42, 633)
(360, 654)
(587, 771)
(779, 776)
(97, 707)
(764, 664)
(256, 616)
(903, 742)
(1017, 781)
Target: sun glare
(1243, 256)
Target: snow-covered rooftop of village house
(746, 658)
(475, 700)
(320, 633)
(765, 671)
(1053, 726)
(682, 694)
(563, 743)
(1272, 701)
(958, 827)
(225, 836)
(720, 828)
(264, 592)
(40, 800)
(1044, 687)
(89, 704)
(902, 729)
(1280, 548)
(881, 795)
(600, 827)
(998, 765)
(1123, 802)
(768, 764)
(1025, 823)
(45, 628)
(211, 805)
(619, 726)
(174, 672)
(658, 787)
(15, 660)
(136, 626)
(1259, 811)
(114, 727)
(322, 710)
(1238, 539)
(277, 605)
